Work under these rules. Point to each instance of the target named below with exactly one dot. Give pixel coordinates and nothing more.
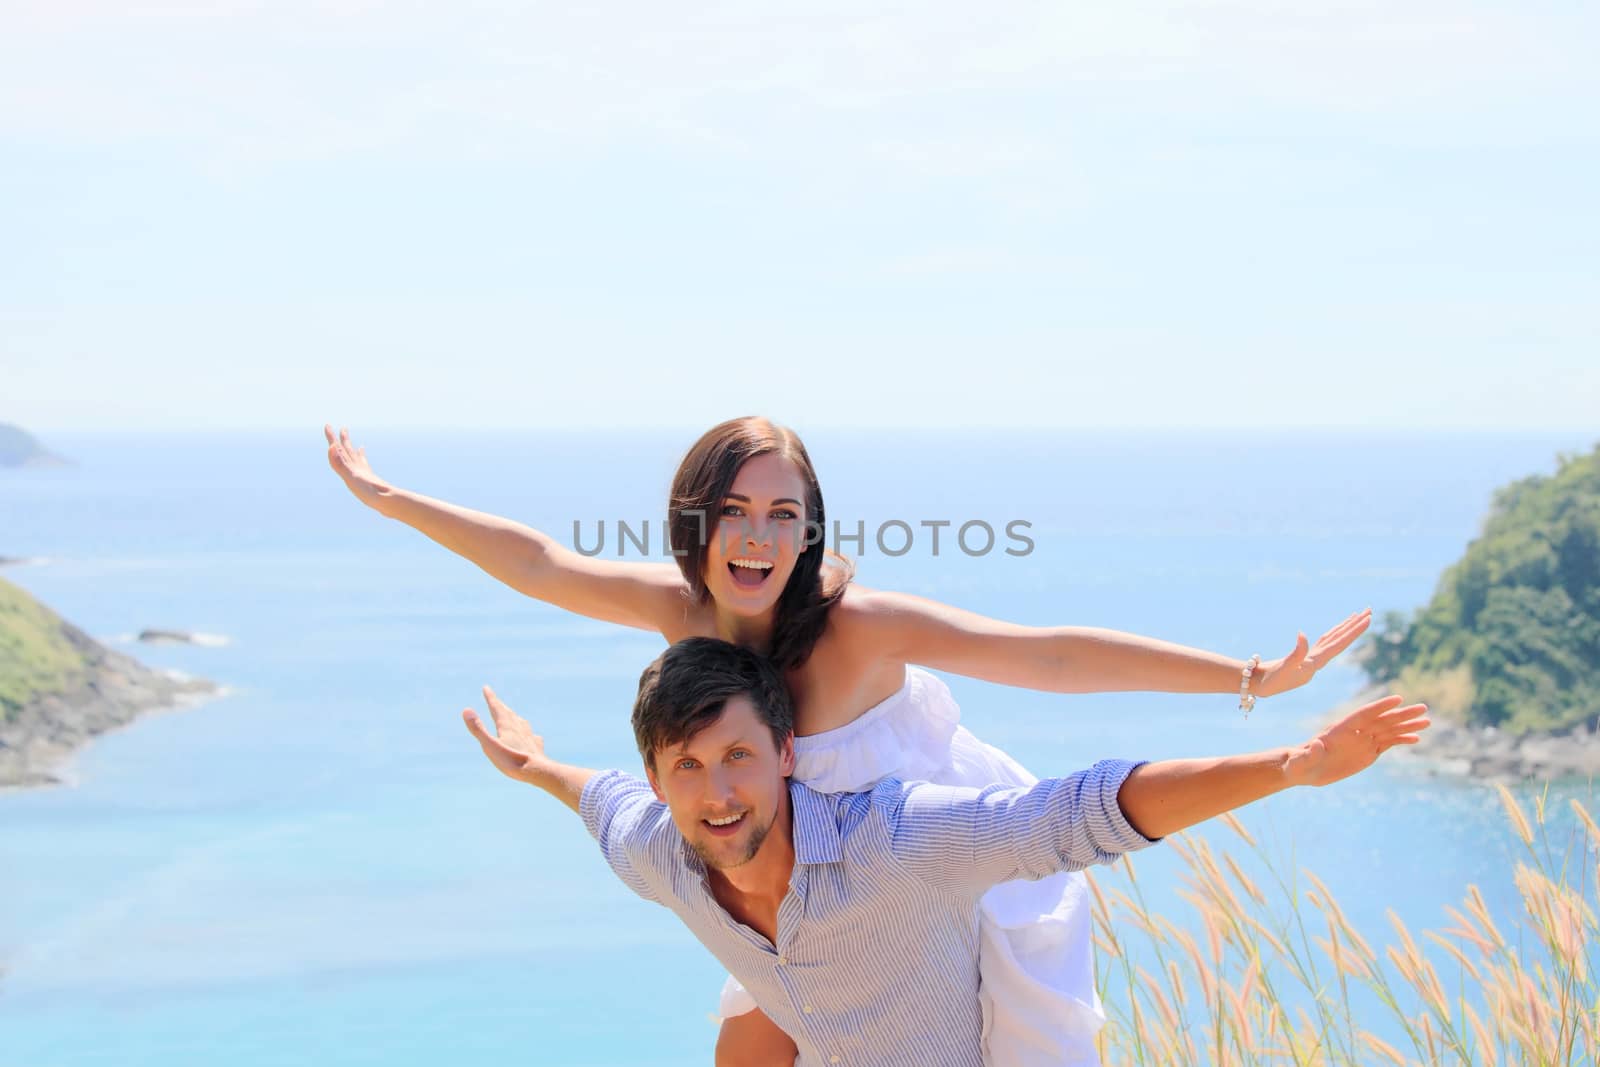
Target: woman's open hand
(350, 464)
(1301, 665)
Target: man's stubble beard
(757, 838)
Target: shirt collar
(816, 830)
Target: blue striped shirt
(876, 962)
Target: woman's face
(759, 536)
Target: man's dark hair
(687, 686)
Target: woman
(741, 503)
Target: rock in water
(166, 637)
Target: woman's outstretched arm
(1070, 659)
(645, 595)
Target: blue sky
(935, 214)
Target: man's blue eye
(740, 754)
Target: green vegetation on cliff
(36, 656)
(1511, 638)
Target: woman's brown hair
(703, 481)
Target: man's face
(726, 785)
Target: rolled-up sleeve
(966, 840)
(620, 812)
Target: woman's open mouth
(748, 572)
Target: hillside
(1511, 639)
(59, 687)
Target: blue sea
(320, 868)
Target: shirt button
(807, 1009)
(782, 960)
(833, 1059)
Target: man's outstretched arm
(1162, 798)
(621, 812)
(517, 752)
(969, 839)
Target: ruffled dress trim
(907, 736)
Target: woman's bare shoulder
(863, 614)
(861, 605)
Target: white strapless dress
(1036, 954)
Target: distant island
(1507, 653)
(18, 448)
(59, 688)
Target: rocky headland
(1507, 653)
(18, 448)
(59, 688)
(1485, 752)
(1454, 747)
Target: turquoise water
(321, 868)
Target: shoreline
(1482, 753)
(102, 691)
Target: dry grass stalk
(1158, 997)
(1403, 965)
(1528, 996)
(1486, 1046)
(1215, 882)
(1241, 1022)
(1425, 1021)
(1208, 979)
(1591, 1034)
(1519, 821)
(1465, 928)
(1308, 1043)
(1213, 924)
(1480, 911)
(1232, 822)
(1175, 977)
(1433, 991)
(1252, 976)
(1346, 963)
(1459, 956)
(1331, 903)
(1588, 821)
(1105, 946)
(1245, 883)
(1142, 1028)
(1412, 956)
(1133, 913)
(1383, 1048)
(1536, 1012)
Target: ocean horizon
(320, 866)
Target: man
(852, 918)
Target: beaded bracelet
(1247, 699)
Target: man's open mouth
(725, 826)
(749, 573)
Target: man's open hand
(1355, 742)
(517, 752)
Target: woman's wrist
(389, 501)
